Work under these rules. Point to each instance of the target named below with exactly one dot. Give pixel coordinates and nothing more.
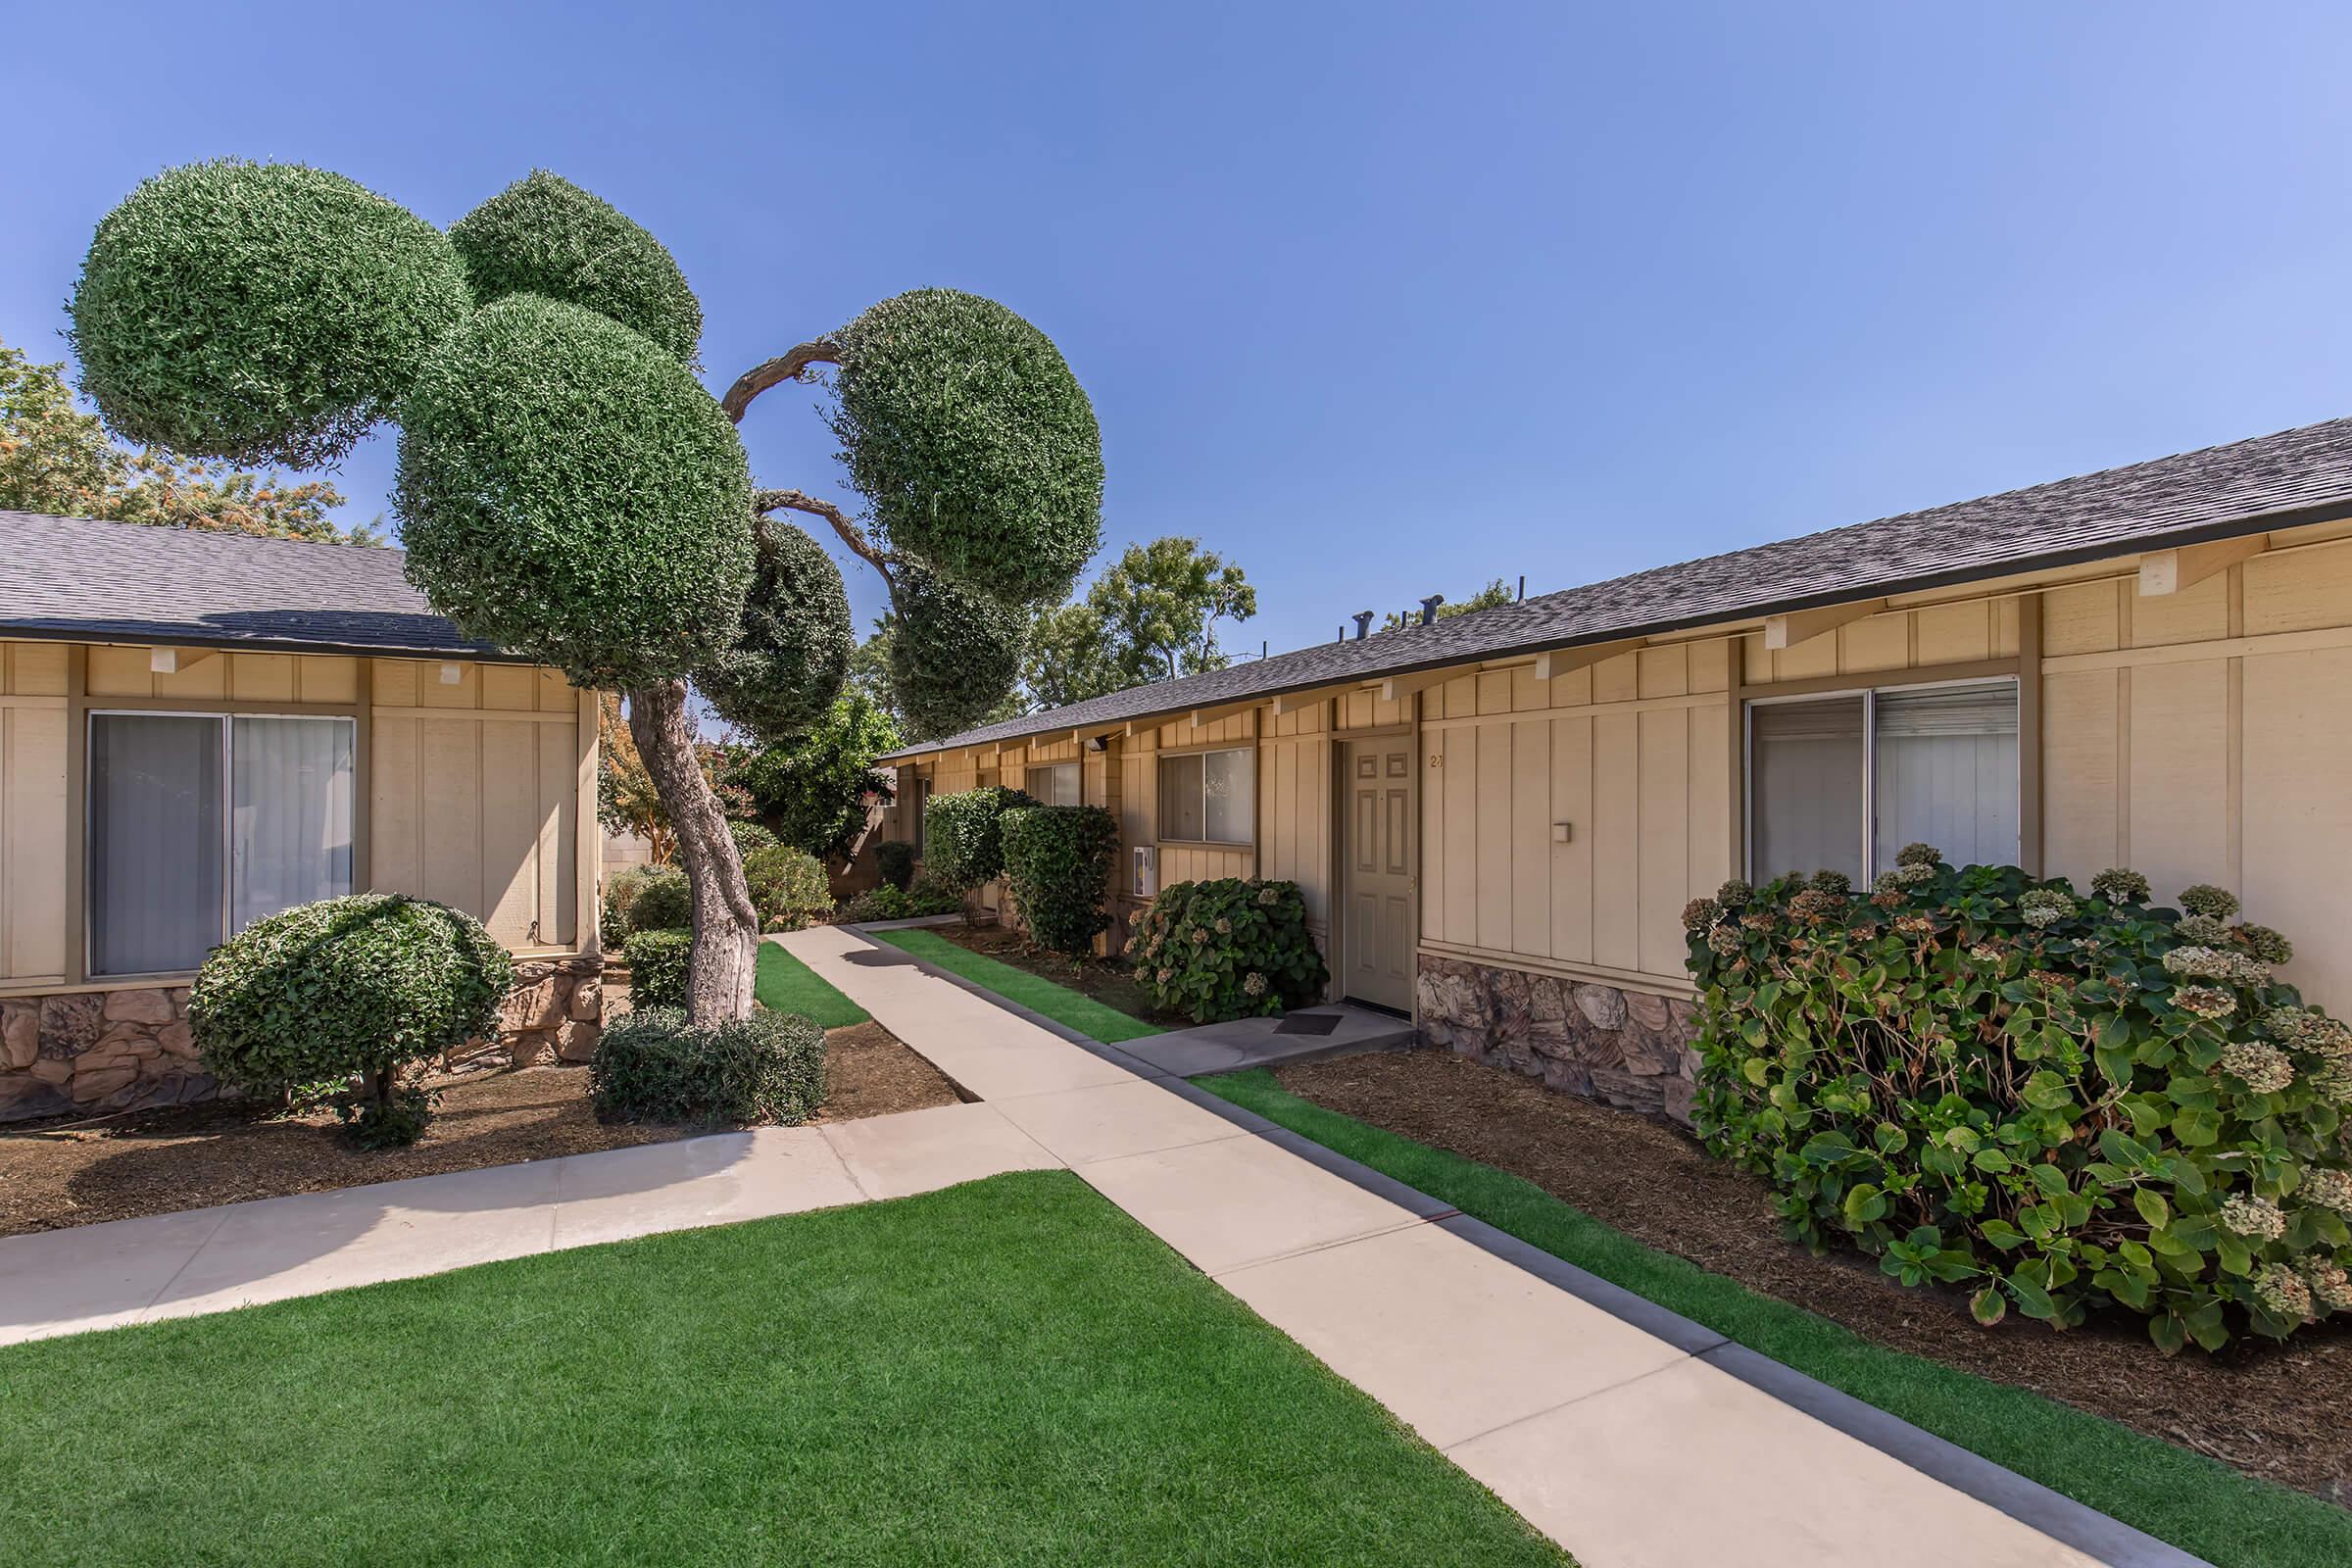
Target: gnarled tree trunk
(726, 928)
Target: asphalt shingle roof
(2252, 486)
(74, 578)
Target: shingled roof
(2272, 482)
(77, 579)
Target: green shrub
(1058, 863)
(360, 988)
(886, 903)
(953, 654)
(751, 837)
(545, 235)
(1231, 948)
(658, 960)
(895, 859)
(792, 650)
(2064, 1102)
(646, 898)
(963, 835)
(653, 1066)
(789, 887)
(260, 313)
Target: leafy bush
(963, 835)
(886, 903)
(545, 235)
(814, 788)
(789, 887)
(751, 837)
(1232, 947)
(954, 653)
(895, 859)
(791, 649)
(1058, 861)
(2067, 1101)
(653, 1066)
(658, 962)
(646, 898)
(360, 988)
(260, 313)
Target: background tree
(56, 458)
(567, 489)
(626, 802)
(1152, 616)
(811, 790)
(1495, 593)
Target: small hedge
(895, 862)
(963, 835)
(646, 898)
(751, 837)
(1231, 948)
(2070, 1103)
(1059, 861)
(886, 903)
(360, 988)
(789, 887)
(653, 1066)
(657, 961)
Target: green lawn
(2192, 1501)
(1094, 1019)
(784, 984)
(1007, 1372)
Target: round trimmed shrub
(646, 897)
(653, 1066)
(258, 313)
(2068, 1102)
(751, 837)
(792, 648)
(1228, 948)
(963, 835)
(789, 888)
(569, 491)
(658, 962)
(363, 988)
(977, 448)
(956, 653)
(545, 235)
(895, 859)
(1058, 861)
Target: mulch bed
(2271, 1411)
(1105, 980)
(195, 1156)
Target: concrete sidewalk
(1631, 1449)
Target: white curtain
(1180, 797)
(289, 813)
(1946, 773)
(1806, 794)
(1232, 814)
(155, 869)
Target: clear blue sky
(1378, 300)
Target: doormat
(1307, 1023)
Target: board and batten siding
(1139, 797)
(33, 834)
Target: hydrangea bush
(1230, 947)
(2070, 1102)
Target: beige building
(197, 729)
(1498, 819)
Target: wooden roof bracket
(2175, 572)
(1804, 625)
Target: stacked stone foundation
(1621, 1046)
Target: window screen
(1054, 785)
(1946, 773)
(1807, 784)
(1208, 795)
(156, 843)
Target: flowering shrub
(2066, 1102)
(1058, 861)
(1227, 949)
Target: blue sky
(1378, 300)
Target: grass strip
(1097, 1021)
(2194, 1502)
(782, 983)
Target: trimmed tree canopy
(791, 651)
(976, 446)
(258, 313)
(545, 235)
(568, 490)
(954, 653)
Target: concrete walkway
(1631, 1448)
(208, 1260)
(1306, 1034)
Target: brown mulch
(195, 1156)
(1106, 980)
(2271, 1411)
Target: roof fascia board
(40, 632)
(1560, 662)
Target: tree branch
(764, 502)
(784, 367)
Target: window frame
(1199, 755)
(1870, 694)
(224, 719)
(1077, 780)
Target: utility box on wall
(1145, 879)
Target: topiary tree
(568, 490)
(1058, 863)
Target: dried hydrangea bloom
(2326, 1037)
(1254, 984)
(2218, 964)
(1834, 882)
(1198, 936)
(1735, 894)
(2280, 1290)
(2330, 1285)
(2206, 1002)
(1699, 913)
(2044, 907)
(2265, 1069)
(1886, 882)
(1759, 921)
(1927, 855)
(2328, 1188)
(1913, 872)
(1915, 925)
(2334, 1080)
(1723, 941)
(2201, 930)
(1815, 903)
(1224, 926)
(2206, 899)
(1985, 953)
(1166, 975)
(2254, 1218)
(2122, 885)
(1269, 897)
(2271, 947)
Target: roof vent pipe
(1363, 623)
(1429, 607)
(1522, 585)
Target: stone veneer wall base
(1623, 1048)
